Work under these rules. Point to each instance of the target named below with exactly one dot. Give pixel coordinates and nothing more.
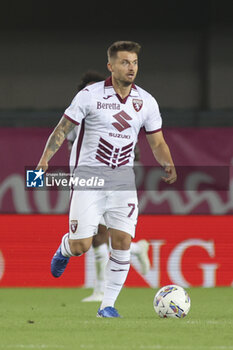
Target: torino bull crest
(137, 104)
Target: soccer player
(101, 240)
(110, 114)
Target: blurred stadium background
(187, 64)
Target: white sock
(101, 255)
(135, 248)
(65, 247)
(116, 272)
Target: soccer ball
(172, 301)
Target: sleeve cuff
(70, 119)
(153, 131)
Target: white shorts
(87, 208)
(102, 221)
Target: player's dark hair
(90, 77)
(130, 46)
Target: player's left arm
(163, 156)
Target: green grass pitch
(57, 319)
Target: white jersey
(109, 125)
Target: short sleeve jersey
(109, 125)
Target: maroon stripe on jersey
(102, 154)
(104, 149)
(70, 119)
(126, 152)
(127, 146)
(123, 163)
(106, 143)
(101, 160)
(80, 141)
(153, 131)
(123, 158)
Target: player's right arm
(55, 141)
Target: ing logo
(122, 123)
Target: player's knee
(124, 245)
(79, 247)
(120, 241)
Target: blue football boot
(58, 263)
(108, 311)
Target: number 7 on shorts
(132, 205)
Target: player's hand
(170, 171)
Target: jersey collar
(110, 91)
